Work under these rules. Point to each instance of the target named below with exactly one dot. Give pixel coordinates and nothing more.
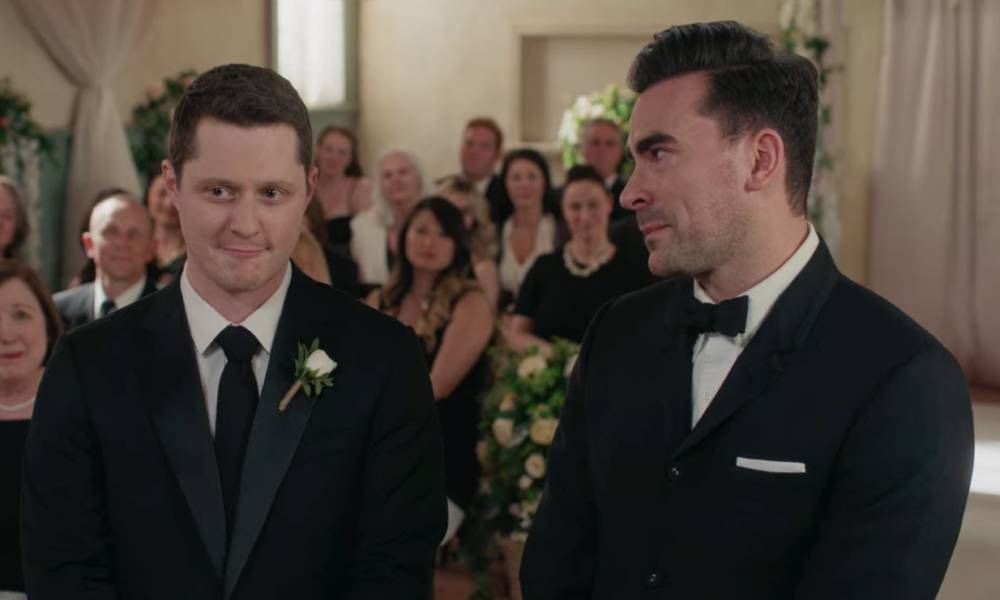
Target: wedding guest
(13, 219)
(531, 230)
(432, 291)
(168, 241)
(482, 235)
(343, 272)
(602, 146)
(564, 289)
(374, 232)
(119, 241)
(341, 189)
(29, 326)
(482, 147)
(308, 256)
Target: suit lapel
(275, 435)
(782, 333)
(676, 356)
(171, 378)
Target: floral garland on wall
(801, 34)
(22, 144)
(612, 104)
(151, 121)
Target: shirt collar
(124, 299)
(763, 295)
(206, 323)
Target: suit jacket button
(653, 579)
(673, 473)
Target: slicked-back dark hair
(241, 95)
(750, 87)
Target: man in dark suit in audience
(757, 426)
(120, 242)
(180, 449)
(602, 146)
(482, 147)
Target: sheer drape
(936, 213)
(90, 42)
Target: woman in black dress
(29, 326)
(432, 290)
(564, 289)
(341, 187)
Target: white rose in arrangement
(503, 431)
(531, 365)
(519, 536)
(535, 466)
(508, 402)
(320, 363)
(524, 482)
(515, 510)
(543, 430)
(570, 363)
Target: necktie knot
(238, 343)
(728, 317)
(107, 306)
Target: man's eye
(272, 193)
(217, 192)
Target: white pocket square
(770, 466)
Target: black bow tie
(728, 317)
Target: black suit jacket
(76, 305)
(639, 506)
(342, 495)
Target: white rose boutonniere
(312, 373)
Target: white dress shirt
(206, 323)
(124, 299)
(715, 353)
(512, 273)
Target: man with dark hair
(119, 241)
(482, 147)
(246, 432)
(602, 147)
(757, 425)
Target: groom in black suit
(757, 425)
(159, 464)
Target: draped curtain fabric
(936, 212)
(90, 42)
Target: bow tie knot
(728, 317)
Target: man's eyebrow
(653, 139)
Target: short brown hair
(241, 95)
(487, 123)
(13, 250)
(15, 269)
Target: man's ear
(171, 180)
(88, 244)
(768, 160)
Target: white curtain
(936, 213)
(90, 41)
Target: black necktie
(728, 317)
(107, 306)
(234, 413)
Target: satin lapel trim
(275, 435)
(782, 333)
(177, 406)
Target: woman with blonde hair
(13, 219)
(400, 180)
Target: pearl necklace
(586, 271)
(16, 407)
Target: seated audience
(531, 230)
(342, 190)
(482, 236)
(432, 291)
(482, 147)
(374, 232)
(13, 219)
(119, 240)
(29, 326)
(168, 240)
(564, 289)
